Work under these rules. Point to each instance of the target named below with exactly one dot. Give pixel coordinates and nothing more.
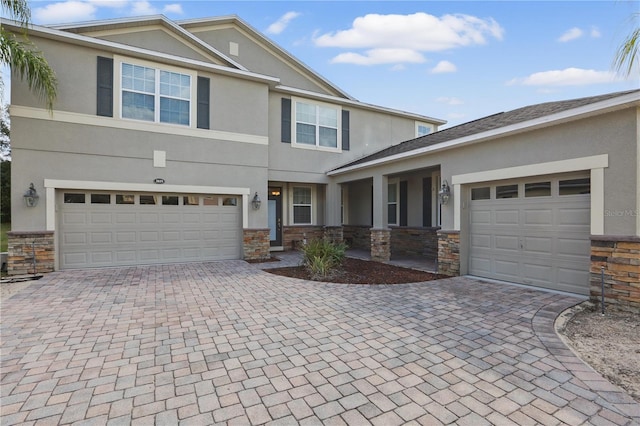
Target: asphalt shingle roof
(484, 124)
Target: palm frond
(626, 57)
(18, 10)
(29, 64)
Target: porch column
(380, 233)
(333, 202)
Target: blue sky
(454, 60)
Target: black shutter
(203, 103)
(104, 104)
(286, 120)
(404, 194)
(345, 130)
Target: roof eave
(609, 105)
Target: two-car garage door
(533, 232)
(126, 228)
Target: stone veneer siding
(294, 236)
(22, 246)
(357, 236)
(620, 258)
(255, 244)
(333, 234)
(380, 245)
(449, 253)
(418, 241)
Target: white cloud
(64, 12)
(398, 67)
(595, 32)
(380, 56)
(444, 67)
(281, 24)
(566, 77)
(175, 9)
(449, 100)
(572, 34)
(143, 7)
(419, 32)
(116, 4)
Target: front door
(275, 216)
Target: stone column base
(620, 258)
(449, 253)
(24, 245)
(333, 234)
(380, 245)
(255, 244)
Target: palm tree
(22, 56)
(626, 57)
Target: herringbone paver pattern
(226, 342)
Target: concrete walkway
(226, 342)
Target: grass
(4, 228)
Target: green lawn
(4, 228)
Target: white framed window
(316, 125)
(423, 129)
(393, 204)
(155, 94)
(302, 205)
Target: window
(230, 201)
(301, 205)
(392, 204)
(316, 125)
(575, 186)
(100, 199)
(169, 200)
(155, 95)
(537, 189)
(125, 199)
(507, 191)
(483, 193)
(73, 198)
(210, 200)
(190, 200)
(422, 129)
(148, 199)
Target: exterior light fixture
(256, 202)
(31, 196)
(444, 193)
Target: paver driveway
(227, 342)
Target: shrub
(322, 257)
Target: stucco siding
(239, 106)
(254, 57)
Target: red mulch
(356, 271)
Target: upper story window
(423, 129)
(156, 95)
(317, 125)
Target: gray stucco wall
(615, 134)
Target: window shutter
(404, 194)
(286, 120)
(345, 130)
(104, 105)
(203, 103)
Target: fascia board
(598, 108)
(355, 103)
(248, 28)
(139, 52)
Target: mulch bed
(356, 271)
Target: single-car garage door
(533, 232)
(125, 228)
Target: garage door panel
(110, 234)
(541, 241)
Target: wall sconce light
(445, 192)
(256, 202)
(31, 196)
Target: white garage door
(116, 229)
(533, 232)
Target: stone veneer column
(380, 245)
(620, 258)
(333, 234)
(255, 244)
(23, 245)
(449, 253)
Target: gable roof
(144, 21)
(270, 44)
(498, 125)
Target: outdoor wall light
(445, 192)
(31, 196)
(256, 202)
